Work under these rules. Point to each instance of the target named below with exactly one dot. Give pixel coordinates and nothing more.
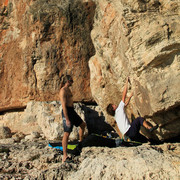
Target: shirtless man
(70, 117)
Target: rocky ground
(31, 158)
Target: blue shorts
(74, 119)
(67, 128)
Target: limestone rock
(139, 39)
(7, 141)
(35, 160)
(33, 136)
(18, 136)
(126, 163)
(5, 132)
(45, 119)
(40, 41)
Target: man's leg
(133, 132)
(81, 130)
(140, 122)
(149, 127)
(64, 145)
(135, 127)
(146, 125)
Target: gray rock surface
(34, 160)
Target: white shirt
(121, 118)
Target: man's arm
(127, 102)
(125, 90)
(63, 100)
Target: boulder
(45, 118)
(139, 39)
(5, 132)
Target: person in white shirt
(130, 130)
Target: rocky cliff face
(41, 40)
(139, 39)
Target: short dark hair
(64, 79)
(110, 110)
